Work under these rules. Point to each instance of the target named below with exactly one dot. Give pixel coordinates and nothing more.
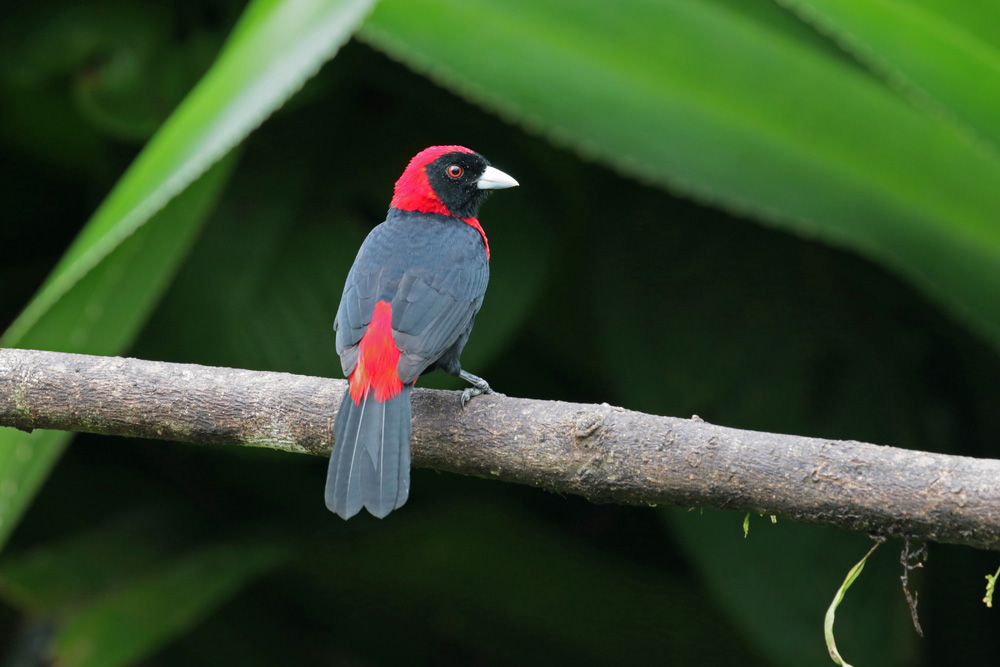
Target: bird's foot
(479, 386)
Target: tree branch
(602, 453)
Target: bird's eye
(455, 171)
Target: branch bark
(602, 453)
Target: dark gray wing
(432, 270)
(434, 309)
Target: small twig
(911, 560)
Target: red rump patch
(377, 359)
(413, 191)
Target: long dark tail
(370, 465)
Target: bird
(409, 303)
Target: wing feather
(435, 287)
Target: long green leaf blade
(924, 51)
(831, 612)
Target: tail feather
(370, 464)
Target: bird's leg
(479, 386)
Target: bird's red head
(413, 189)
(448, 180)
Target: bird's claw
(479, 386)
(472, 392)
(468, 394)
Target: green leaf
(131, 623)
(730, 108)
(926, 51)
(100, 292)
(831, 612)
(101, 315)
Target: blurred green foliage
(649, 138)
